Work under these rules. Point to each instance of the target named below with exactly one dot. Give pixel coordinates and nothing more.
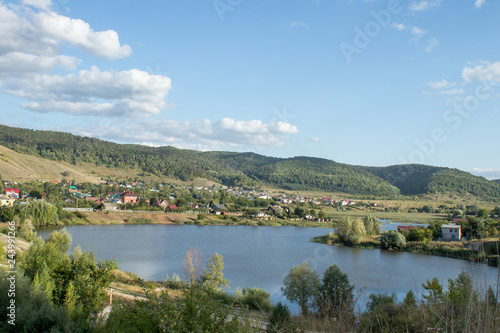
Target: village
(172, 198)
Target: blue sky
(360, 82)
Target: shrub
(392, 240)
(257, 299)
(280, 319)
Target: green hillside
(414, 179)
(247, 169)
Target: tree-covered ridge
(301, 173)
(248, 169)
(414, 179)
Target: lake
(262, 256)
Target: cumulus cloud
(19, 63)
(94, 92)
(29, 30)
(201, 135)
(78, 33)
(484, 72)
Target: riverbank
(480, 251)
(159, 217)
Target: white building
(451, 232)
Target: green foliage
(2, 251)
(378, 300)
(419, 234)
(392, 240)
(414, 179)
(335, 296)
(301, 286)
(40, 212)
(6, 213)
(193, 312)
(212, 277)
(75, 279)
(435, 228)
(372, 225)
(279, 321)
(435, 290)
(350, 231)
(256, 299)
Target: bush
(392, 240)
(256, 299)
(280, 319)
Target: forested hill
(497, 181)
(247, 169)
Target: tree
(349, 231)
(301, 286)
(435, 290)
(2, 186)
(280, 319)
(192, 265)
(483, 213)
(379, 299)
(372, 226)
(212, 277)
(435, 227)
(336, 297)
(392, 240)
(41, 212)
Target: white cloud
(94, 92)
(415, 31)
(456, 91)
(479, 3)
(486, 72)
(433, 42)
(78, 33)
(19, 63)
(200, 135)
(315, 139)
(443, 84)
(40, 4)
(488, 173)
(43, 32)
(424, 5)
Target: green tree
(435, 227)
(379, 299)
(372, 225)
(349, 231)
(392, 240)
(2, 186)
(41, 212)
(483, 213)
(435, 290)
(212, 277)
(280, 319)
(301, 286)
(336, 297)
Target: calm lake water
(262, 256)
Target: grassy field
(393, 216)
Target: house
(260, 215)
(6, 201)
(172, 208)
(72, 189)
(451, 232)
(110, 206)
(456, 220)
(219, 207)
(345, 203)
(69, 201)
(161, 203)
(129, 197)
(12, 192)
